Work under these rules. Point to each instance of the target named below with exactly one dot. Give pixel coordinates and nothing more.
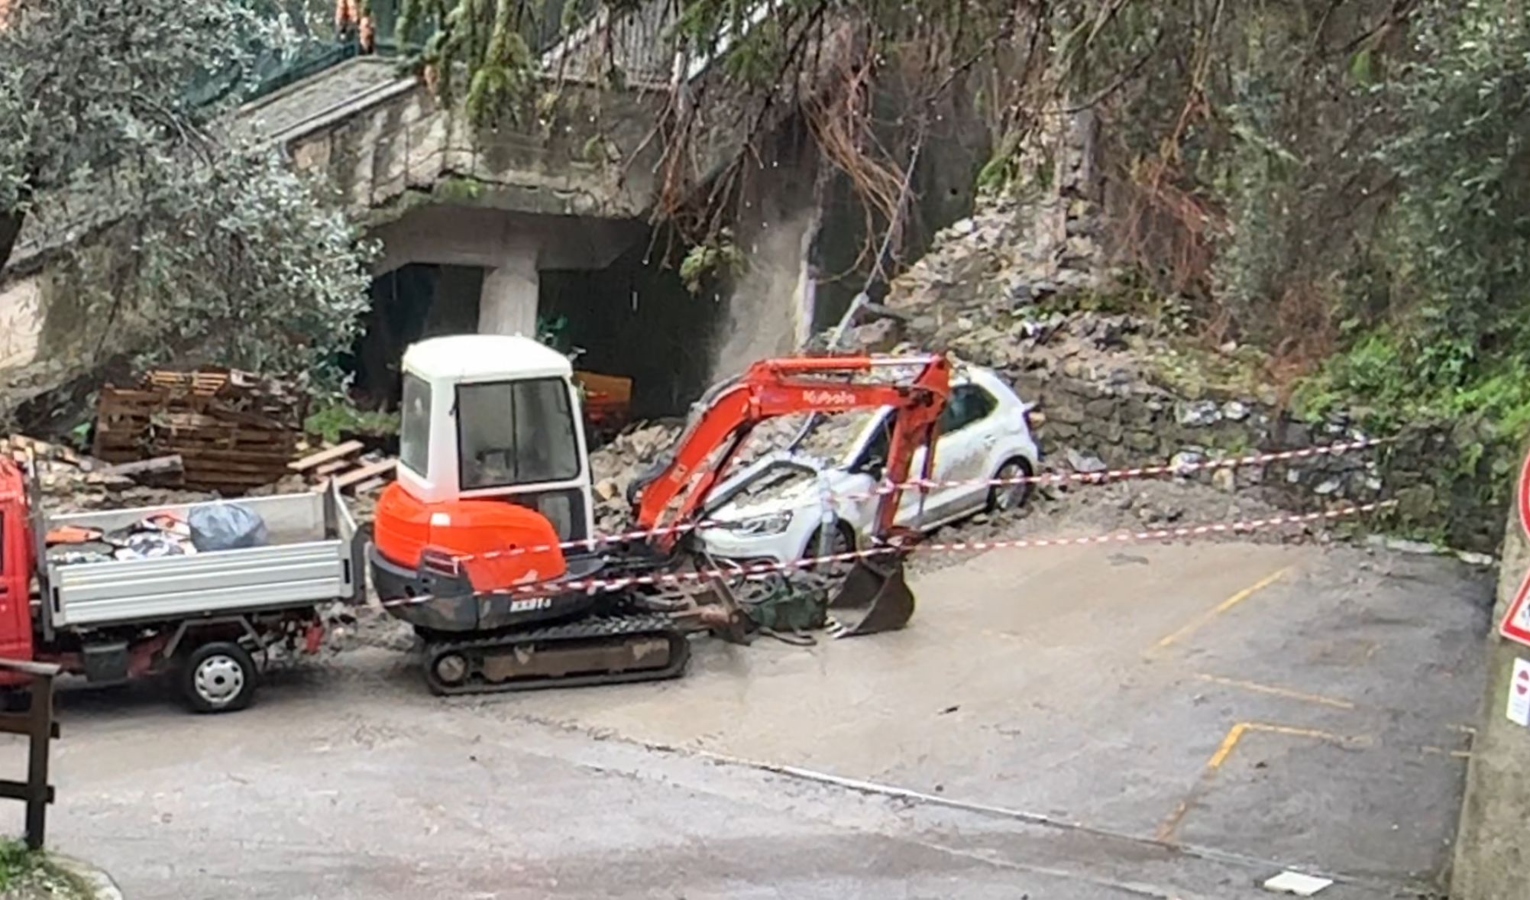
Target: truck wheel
(218, 677)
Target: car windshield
(775, 478)
(834, 437)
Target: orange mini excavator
(486, 544)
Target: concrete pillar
(508, 303)
(1492, 859)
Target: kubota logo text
(828, 398)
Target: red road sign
(1516, 625)
(1522, 682)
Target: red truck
(120, 594)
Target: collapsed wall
(1024, 287)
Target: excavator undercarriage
(628, 636)
(597, 649)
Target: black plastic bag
(226, 526)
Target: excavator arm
(781, 387)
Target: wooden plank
(30, 667)
(269, 473)
(18, 790)
(159, 465)
(253, 443)
(117, 456)
(223, 432)
(324, 456)
(19, 723)
(204, 471)
(273, 456)
(204, 421)
(362, 473)
(226, 483)
(331, 468)
(367, 487)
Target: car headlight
(771, 523)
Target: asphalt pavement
(1170, 721)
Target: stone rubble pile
(1004, 290)
(70, 481)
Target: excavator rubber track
(612, 649)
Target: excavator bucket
(874, 598)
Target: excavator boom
(874, 596)
(781, 387)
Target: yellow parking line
(1229, 744)
(1278, 691)
(1453, 754)
(1170, 824)
(1224, 606)
(1307, 732)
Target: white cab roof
(485, 357)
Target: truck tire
(218, 677)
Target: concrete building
(489, 231)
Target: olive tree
(176, 240)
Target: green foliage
(194, 247)
(1456, 294)
(85, 83)
(1435, 317)
(335, 421)
(24, 874)
(484, 52)
(459, 190)
(240, 265)
(719, 258)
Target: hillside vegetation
(1340, 183)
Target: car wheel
(219, 677)
(1009, 497)
(840, 542)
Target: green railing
(322, 54)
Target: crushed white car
(780, 507)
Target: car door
(961, 455)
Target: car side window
(968, 404)
(874, 456)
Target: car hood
(811, 475)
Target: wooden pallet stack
(345, 465)
(232, 431)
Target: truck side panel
(173, 587)
(15, 566)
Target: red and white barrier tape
(756, 570)
(600, 540)
(1100, 477)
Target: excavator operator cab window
(512, 433)
(414, 425)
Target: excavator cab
(495, 416)
(493, 475)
